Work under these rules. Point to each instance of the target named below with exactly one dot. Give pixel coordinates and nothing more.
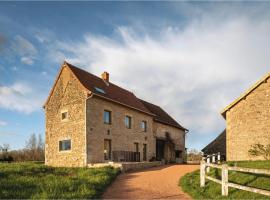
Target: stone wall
(122, 138)
(67, 95)
(248, 122)
(177, 136)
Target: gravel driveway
(154, 183)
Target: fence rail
(225, 184)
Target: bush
(260, 150)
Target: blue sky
(190, 58)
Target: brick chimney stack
(105, 76)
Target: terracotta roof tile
(161, 115)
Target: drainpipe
(85, 127)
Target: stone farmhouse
(91, 120)
(247, 122)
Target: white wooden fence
(225, 184)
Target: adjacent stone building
(91, 120)
(248, 121)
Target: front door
(160, 144)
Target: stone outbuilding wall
(248, 123)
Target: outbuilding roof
(218, 145)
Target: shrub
(260, 150)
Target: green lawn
(190, 183)
(37, 181)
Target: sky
(191, 58)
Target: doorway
(160, 145)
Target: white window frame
(65, 119)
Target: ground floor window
(144, 152)
(107, 149)
(64, 145)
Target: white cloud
(3, 123)
(192, 72)
(27, 60)
(20, 97)
(25, 49)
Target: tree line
(33, 151)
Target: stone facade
(68, 95)
(85, 127)
(248, 123)
(122, 138)
(178, 139)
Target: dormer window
(64, 115)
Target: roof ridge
(70, 65)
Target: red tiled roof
(112, 91)
(161, 115)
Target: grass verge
(190, 183)
(37, 181)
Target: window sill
(64, 151)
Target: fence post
(208, 161)
(202, 173)
(213, 158)
(218, 157)
(224, 180)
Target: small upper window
(107, 117)
(144, 126)
(64, 145)
(128, 122)
(64, 115)
(100, 90)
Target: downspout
(85, 127)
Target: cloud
(194, 72)
(25, 49)
(3, 123)
(19, 97)
(27, 60)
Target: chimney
(105, 76)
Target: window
(100, 90)
(128, 122)
(64, 115)
(144, 126)
(107, 149)
(144, 152)
(136, 146)
(107, 117)
(64, 145)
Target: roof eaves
(247, 92)
(109, 99)
(166, 123)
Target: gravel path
(154, 183)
